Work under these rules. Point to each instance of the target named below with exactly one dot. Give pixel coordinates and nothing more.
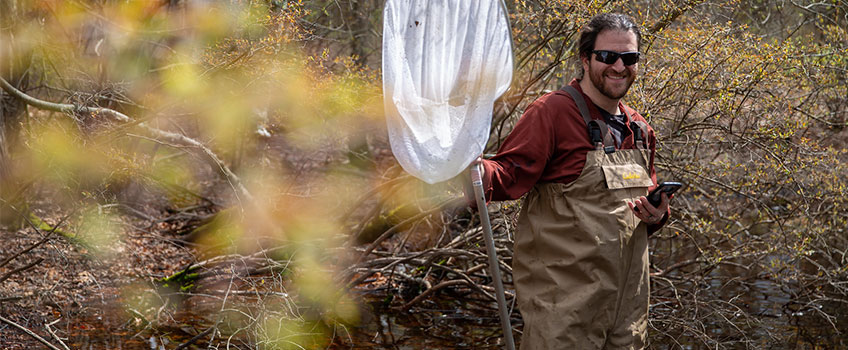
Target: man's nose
(618, 65)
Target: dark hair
(604, 21)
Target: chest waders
(581, 256)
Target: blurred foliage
(750, 100)
(235, 75)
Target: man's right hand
(646, 212)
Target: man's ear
(584, 63)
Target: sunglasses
(609, 57)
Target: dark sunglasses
(609, 57)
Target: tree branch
(196, 338)
(29, 332)
(431, 291)
(53, 334)
(395, 228)
(167, 136)
(20, 269)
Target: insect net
(444, 64)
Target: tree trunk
(13, 67)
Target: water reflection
(766, 318)
(448, 326)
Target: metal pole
(494, 268)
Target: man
(586, 159)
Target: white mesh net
(444, 64)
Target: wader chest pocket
(626, 176)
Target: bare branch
(29, 332)
(53, 334)
(166, 136)
(21, 269)
(429, 291)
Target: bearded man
(586, 162)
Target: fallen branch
(53, 334)
(15, 255)
(39, 226)
(195, 338)
(20, 269)
(172, 138)
(405, 223)
(431, 291)
(29, 332)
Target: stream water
(462, 323)
(450, 325)
(447, 326)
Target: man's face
(612, 80)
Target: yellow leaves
(228, 119)
(173, 170)
(69, 13)
(283, 333)
(99, 231)
(213, 23)
(58, 151)
(224, 234)
(183, 79)
(129, 16)
(315, 283)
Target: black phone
(668, 187)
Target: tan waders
(581, 256)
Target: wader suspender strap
(598, 130)
(640, 133)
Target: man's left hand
(647, 212)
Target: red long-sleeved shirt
(549, 145)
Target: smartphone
(668, 187)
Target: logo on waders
(630, 176)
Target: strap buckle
(595, 134)
(637, 132)
(640, 130)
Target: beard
(605, 87)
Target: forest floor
(88, 298)
(80, 290)
(111, 296)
